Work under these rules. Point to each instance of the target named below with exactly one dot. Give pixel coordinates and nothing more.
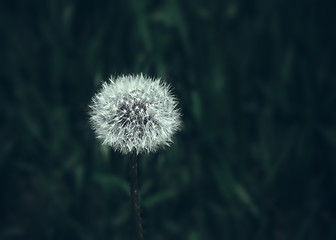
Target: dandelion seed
(135, 113)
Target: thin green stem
(133, 165)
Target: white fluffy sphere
(135, 113)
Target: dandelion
(135, 114)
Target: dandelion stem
(133, 165)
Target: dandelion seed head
(135, 112)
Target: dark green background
(256, 82)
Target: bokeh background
(256, 82)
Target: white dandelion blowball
(135, 113)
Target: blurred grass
(256, 83)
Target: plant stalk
(133, 168)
